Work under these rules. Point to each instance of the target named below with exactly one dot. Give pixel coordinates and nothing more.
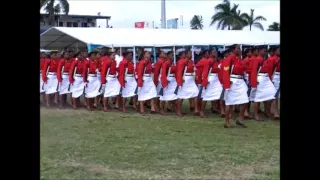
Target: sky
(124, 13)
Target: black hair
(204, 52)
(126, 53)
(76, 54)
(247, 50)
(233, 47)
(169, 53)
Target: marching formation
(230, 81)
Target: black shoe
(241, 124)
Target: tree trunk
(250, 27)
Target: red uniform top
(108, 64)
(247, 65)
(42, 61)
(79, 64)
(199, 68)
(143, 64)
(53, 68)
(226, 66)
(278, 65)
(220, 71)
(156, 71)
(93, 66)
(215, 69)
(66, 64)
(122, 70)
(180, 68)
(266, 67)
(164, 71)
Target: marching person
(118, 59)
(109, 80)
(210, 82)
(199, 69)
(49, 77)
(90, 79)
(98, 99)
(234, 85)
(224, 55)
(276, 82)
(76, 79)
(168, 82)
(247, 65)
(146, 87)
(157, 75)
(263, 89)
(63, 77)
(127, 79)
(187, 88)
(43, 58)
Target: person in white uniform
(276, 82)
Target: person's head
(188, 54)
(226, 53)
(205, 54)
(170, 55)
(98, 55)
(92, 55)
(235, 48)
(112, 55)
(43, 55)
(146, 55)
(182, 54)
(54, 55)
(255, 51)
(162, 55)
(262, 51)
(78, 55)
(127, 55)
(271, 51)
(85, 54)
(65, 55)
(277, 51)
(248, 52)
(213, 53)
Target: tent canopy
(64, 37)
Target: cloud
(125, 12)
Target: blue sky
(125, 12)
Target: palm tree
(196, 22)
(51, 9)
(227, 16)
(251, 20)
(275, 26)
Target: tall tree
(253, 21)
(196, 22)
(227, 16)
(275, 26)
(52, 9)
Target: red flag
(139, 25)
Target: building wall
(68, 21)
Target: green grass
(97, 145)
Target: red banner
(139, 25)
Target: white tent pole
(174, 54)
(154, 55)
(268, 50)
(134, 56)
(120, 51)
(192, 50)
(241, 50)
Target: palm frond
(259, 18)
(64, 6)
(258, 25)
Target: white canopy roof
(62, 37)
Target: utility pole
(163, 14)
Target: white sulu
(112, 87)
(213, 90)
(64, 85)
(168, 92)
(265, 90)
(276, 81)
(148, 89)
(93, 86)
(189, 88)
(237, 94)
(52, 83)
(129, 86)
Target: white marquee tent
(63, 37)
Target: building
(69, 20)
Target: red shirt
(247, 66)
(80, 65)
(182, 63)
(66, 64)
(123, 65)
(156, 71)
(266, 67)
(211, 63)
(199, 68)
(164, 71)
(277, 63)
(220, 71)
(42, 61)
(231, 60)
(52, 65)
(110, 64)
(90, 67)
(143, 64)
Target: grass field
(97, 145)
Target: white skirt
(93, 86)
(148, 89)
(265, 90)
(64, 86)
(52, 83)
(99, 76)
(112, 87)
(130, 87)
(168, 92)
(276, 81)
(77, 87)
(213, 90)
(189, 88)
(159, 86)
(42, 85)
(237, 94)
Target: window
(75, 24)
(60, 24)
(69, 24)
(84, 24)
